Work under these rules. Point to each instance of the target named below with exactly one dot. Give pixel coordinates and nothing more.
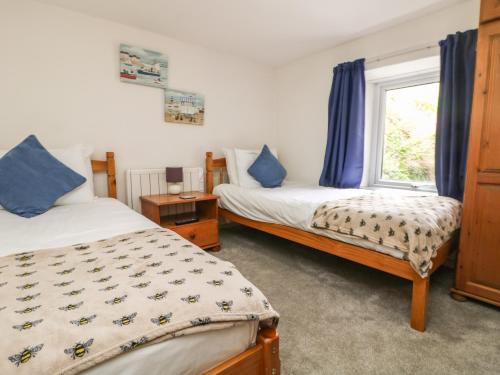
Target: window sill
(401, 190)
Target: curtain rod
(401, 53)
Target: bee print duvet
(415, 225)
(65, 310)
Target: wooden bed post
(210, 165)
(269, 339)
(110, 158)
(419, 297)
(209, 178)
(107, 166)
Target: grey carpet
(338, 317)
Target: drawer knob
(192, 236)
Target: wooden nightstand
(204, 232)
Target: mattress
(292, 205)
(104, 218)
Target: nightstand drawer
(203, 233)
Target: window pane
(410, 133)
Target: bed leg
(420, 295)
(269, 339)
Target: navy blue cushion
(31, 179)
(267, 169)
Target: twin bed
(217, 322)
(290, 211)
(220, 337)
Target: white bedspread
(103, 218)
(293, 205)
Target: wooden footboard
(262, 359)
(367, 257)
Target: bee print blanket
(65, 310)
(416, 225)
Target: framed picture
(184, 107)
(142, 66)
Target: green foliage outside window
(409, 138)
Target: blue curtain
(343, 165)
(458, 55)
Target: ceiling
(272, 32)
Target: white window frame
(377, 148)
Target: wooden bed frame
(373, 259)
(263, 358)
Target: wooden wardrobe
(478, 264)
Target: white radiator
(153, 181)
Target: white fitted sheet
(293, 205)
(68, 225)
(104, 218)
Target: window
(405, 133)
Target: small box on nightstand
(203, 232)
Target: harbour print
(142, 66)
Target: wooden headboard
(210, 165)
(107, 166)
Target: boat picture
(142, 66)
(149, 72)
(124, 73)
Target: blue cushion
(267, 169)
(31, 179)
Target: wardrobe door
(489, 160)
(490, 10)
(480, 263)
(478, 271)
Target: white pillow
(244, 159)
(78, 159)
(232, 170)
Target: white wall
(303, 86)
(60, 80)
